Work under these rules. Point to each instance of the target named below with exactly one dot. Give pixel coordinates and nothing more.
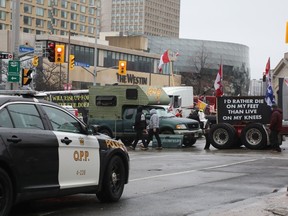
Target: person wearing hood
(139, 127)
(154, 129)
(275, 128)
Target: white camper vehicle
(181, 97)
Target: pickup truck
(123, 128)
(113, 109)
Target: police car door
(32, 149)
(79, 160)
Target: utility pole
(15, 36)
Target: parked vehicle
(241, 121)
(48, 152)
(114, 108)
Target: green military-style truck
(113, 109)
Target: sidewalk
(269, 205)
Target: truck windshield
(162, 113)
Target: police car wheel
(113, 181)
(6, 193)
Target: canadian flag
(163, 60)
(267, 69)
(218, 82)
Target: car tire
(254, 136)
(6, 193)
(105, 131)
(113, 181)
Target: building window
(40, 2)
(3, 3)
(39, 11)
(91, 20)
(63, 14)
(91, 11)
(27, 20)
(64, 4)
(90, 30)
(82, 28)
(73, 26)
(82, 9)
(2, 26)
(2, 15)
(63, 24)
(73, 16)
(26, 30)
(38, 32)
(82, 18)
(39, 23)
(27, 9)
(73, 6)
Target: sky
(258, 24)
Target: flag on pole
(218, 82)
(267, 68)
(163, 60)
(269, 98)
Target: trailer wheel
(254, 136)
(222, 136)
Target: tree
(199, 70)
(50, 77)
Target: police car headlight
(181, 127)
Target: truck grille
(193, 126)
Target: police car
(45, 151)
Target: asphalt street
(187, 182)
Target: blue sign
(82, 64)
(26, 49)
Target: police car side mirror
(92, 129)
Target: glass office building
(198, 62)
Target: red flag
(163, 60)
(267, 69)
(218, 82)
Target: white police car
(45, 151)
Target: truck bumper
(189, 136)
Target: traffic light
(122, 68)
(26, 76)
(71, 62)
(286, 36)
(51, 51)
(35, 61)
(264, 77)
(59, 53)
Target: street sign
(25, 49)
(82, 64)
(13, 71)
(6, 56)
(38, 49)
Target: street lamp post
(95, 46)
(95, 53)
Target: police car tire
(6, 193)
(113, 181)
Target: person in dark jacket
(139, 126)
(275, 128)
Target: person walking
(154, 129)
(139, 126)
(275, 128)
